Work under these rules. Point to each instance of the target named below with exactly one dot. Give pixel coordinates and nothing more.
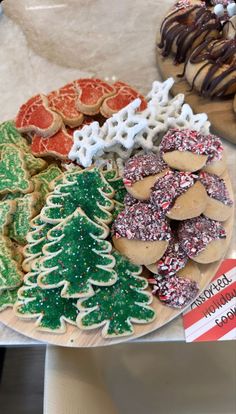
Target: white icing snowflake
(187, 119)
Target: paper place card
(212, 316)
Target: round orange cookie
(203, 239)
(219, 204)
(141, 234)
(188, 150)
(179, 196)
(141, 172)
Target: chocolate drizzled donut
(215, 62)
(185, 27)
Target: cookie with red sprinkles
(203, 239)
(141, 233)
(173, 260)
(190, 150)
(178, 195)
(174, 291)
(219, 205)
(141, 172)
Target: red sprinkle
(169, 187)
(189, 140)
(215, 187)
(140, 221)
(141, 166)
(195, 234)
(175, 291)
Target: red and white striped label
(212, 316)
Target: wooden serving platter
(220, 112)
(74, 337)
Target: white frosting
(231, 9)
(219, 10)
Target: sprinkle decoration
(175, 291)
(129, 200)
(173, 259)
(189, 140)
(169, 187)
(140, 166)
(195, 234)
(140, 221)
(215, 187)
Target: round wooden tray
(220, 112)
(78, 338)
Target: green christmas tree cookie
(43, 183)
(77, 257)
(10, 273)
(36, 239)
(117, 184)
(7, 298)
(24, 212)
(86, 189)
(10, 135)
(48, 307)
(13, 174)
(6, 210)
(117, 307)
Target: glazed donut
(188, 150)
(141, 234)
(203, 239)
(141, 172)
(172, 261)
(219, 203)
(179, 196)
(211, 68)
(187, 24)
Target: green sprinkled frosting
(13, 175)
(7, 298)
(10, 275)
(77, 256)
(86, 189)
(47, 305)
(117, 306)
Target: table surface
(35, 58)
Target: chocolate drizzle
(183, 29)
(220, 59)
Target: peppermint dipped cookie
(203, 239)
(141, 172)
(179, 196)
(141, 234)
(219, 204)
(188, 150)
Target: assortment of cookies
(88, 196)
(202, 35)
(175, 213)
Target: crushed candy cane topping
(141, 166)
(175, 291)
(189, 140)
(173, 259)
(215, 187)
(129, 200)
(169, 187)
(140, 221)
(195, 234)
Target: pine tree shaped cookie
(117, 307)
(7, 298)
(77, 257)
(86, 189)
(7, 208)
(47, 306)
(10, 273)
(13, 174)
